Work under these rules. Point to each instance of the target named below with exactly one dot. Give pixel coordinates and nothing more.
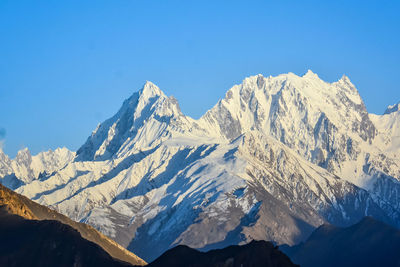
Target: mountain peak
(150, 90)
(23, 152)
(251, 80)
(310, 74)
(345, 82)
(392, 108)
(130, 122)
(345, 79)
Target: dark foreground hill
(47, 243)
(34, 235)
(367, 243)
(256, 253)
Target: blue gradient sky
(65, 66)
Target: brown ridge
(17, 204)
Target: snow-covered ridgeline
(25, 168)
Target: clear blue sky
(65, 66)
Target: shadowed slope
(13, 203)
(367, 243)
(47, 243)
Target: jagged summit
(309, 76)
(258, 102)
(346, 82)
(23, 151)
(392, 108)
(344, 78)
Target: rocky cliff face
(277, 157)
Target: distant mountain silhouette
(367, 243)
(34, 235)
(256, 253)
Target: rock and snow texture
(25, 168)
(277, 157)
(326, 123)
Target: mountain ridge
(256, 253)
(366, 243)
(12, 204)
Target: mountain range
(273, 160)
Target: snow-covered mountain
(25, 168)
(326, 123)
(277, 157)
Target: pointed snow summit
(150, 90)
(142, 116)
